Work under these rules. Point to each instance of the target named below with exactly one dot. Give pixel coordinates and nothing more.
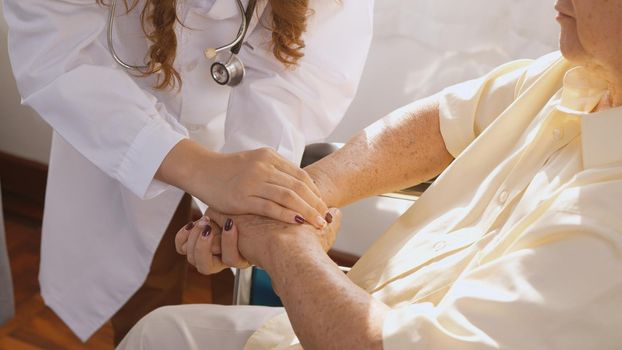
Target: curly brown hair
(289, 22)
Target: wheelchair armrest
(317, 151)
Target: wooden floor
(37, 327)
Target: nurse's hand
(244, 239)
(256, 237)
(259, 182)
(207, 248)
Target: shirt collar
(601, 132)
(582, 90)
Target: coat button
(558, 134)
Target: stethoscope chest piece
(230, 73)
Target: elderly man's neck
(613, 76)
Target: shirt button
(503, 196)
(439, 245)
(557, 133)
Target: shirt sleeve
(557, 285)
(468, 108)
(65, 72)
(286, 108)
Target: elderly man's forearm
(323, 305)
(372, 163)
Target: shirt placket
(557, 131)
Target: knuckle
(301, 174)
(287, 196)
(178, 249)
(265, 153)
(258, 170)
(297, 186)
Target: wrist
(328, 189)
(294, 243)
(186, 167)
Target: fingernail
(299, 219)
(228, 224)
(189, 226)
(329, 218)
(206, 231)
(203, 221)
(320, 221)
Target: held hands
(259, 182)
(216, 241)
(262, 182)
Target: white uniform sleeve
(304, 104)
(468, 108)
(557, 285)
(65, 72)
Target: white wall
(419, 47)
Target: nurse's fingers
(290, 200)
(203, 228)
(216, 217)
(230, 253)
(295, 171)
(216, 249)
(205, 261)
(182, 237)
(268, 208)
(302, 190)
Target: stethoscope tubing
(113, 52)
(233, 45)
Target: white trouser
(202, 326)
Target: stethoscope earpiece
(230, 73)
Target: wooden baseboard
(23, 186)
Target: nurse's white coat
(105, 214)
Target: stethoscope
(228, 72)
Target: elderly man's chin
(569, 44)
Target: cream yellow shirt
(518, 244)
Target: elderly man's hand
(218, 241)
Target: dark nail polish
(206, 231)
(299, 219)
(189, 226)
(329, 218)
(228, 224)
